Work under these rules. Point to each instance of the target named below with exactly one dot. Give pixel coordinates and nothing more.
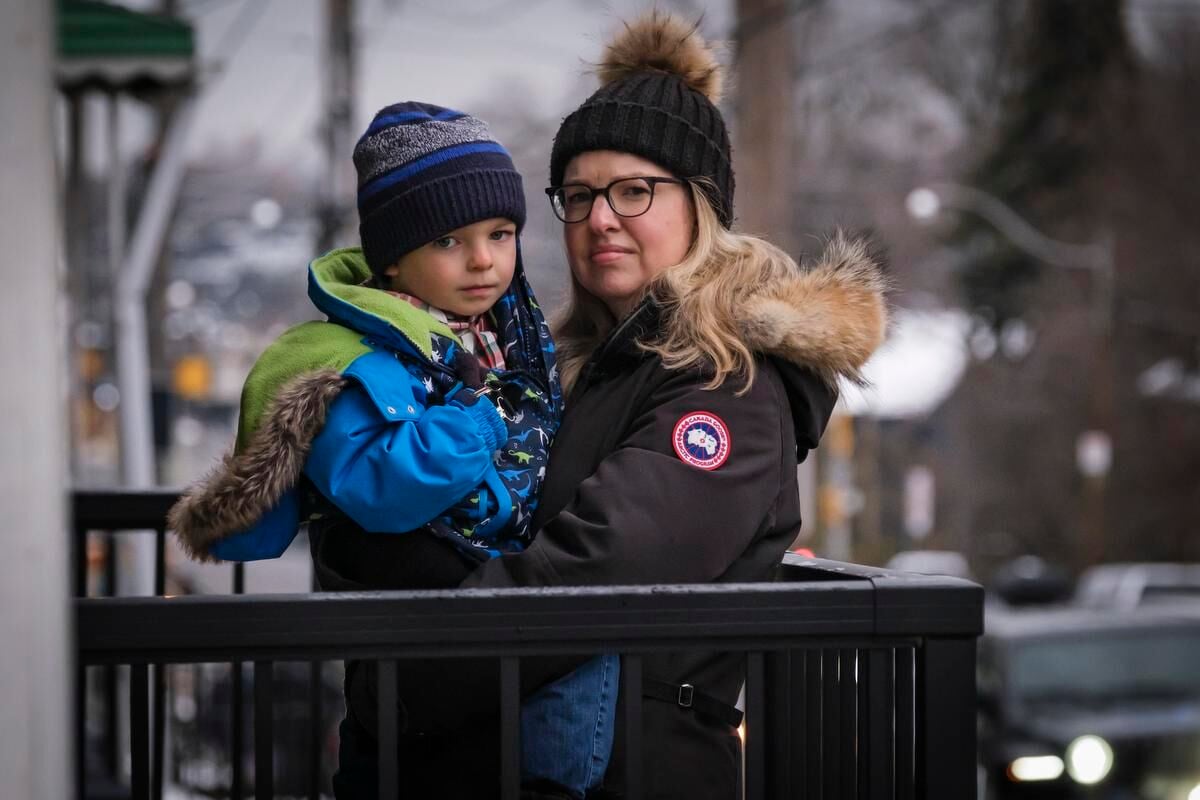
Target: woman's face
(616, 257)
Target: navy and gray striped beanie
(423, 171)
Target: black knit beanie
(424, 171)
(660, 83)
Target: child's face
(464, 272)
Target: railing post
(112, 683)
(831, 725)
(946, 719)
(631, 705)
(813, 756)
(237, 726)
(316, 714)
(781, 715)
(906, 723)
(139, 730)
(510, 728)
(264, 730)
(160, 729)
(757, 738)
(849, 742)
(237, 704)
(878, 677)
(386, 736)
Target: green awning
(106, 46)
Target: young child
(411, 429)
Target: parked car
(1085, 703)
(1138, 584)
(1031, 580)
(931, 562)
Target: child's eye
(444, 243)
(503, 234)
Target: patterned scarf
(477, 334)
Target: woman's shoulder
(766, 387)
(782, 396)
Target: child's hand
(468, 369)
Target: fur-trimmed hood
(826, 316)
(829, 317)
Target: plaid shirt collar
(477, 334)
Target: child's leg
(567, 727)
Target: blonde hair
(699, 298)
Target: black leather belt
(685, 695)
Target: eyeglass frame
(653, 180)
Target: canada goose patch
(702, 440)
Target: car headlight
(1089, 759)
(1035, 768)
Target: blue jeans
(567, 726)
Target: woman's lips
(607, 255)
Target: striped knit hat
(424, 171)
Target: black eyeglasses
(627, 197)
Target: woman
(712, 359)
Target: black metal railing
(859, 682)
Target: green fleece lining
(306, 348)
(313, 346)
(341, 273)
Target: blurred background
(1026, 166)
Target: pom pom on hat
(659, 42)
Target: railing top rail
(479, 622)
(816, 598)
(115, 509)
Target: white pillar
(35, 659)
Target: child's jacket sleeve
(391, 463)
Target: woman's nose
(602, 218)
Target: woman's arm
(647, 516)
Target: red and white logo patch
(702, 440)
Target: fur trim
(830, 317)
(245, 485)
(658, 42)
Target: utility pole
(765, 145)
(36, 662)
(340, 188)
(165, 107)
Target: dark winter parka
(626, 502)
(632, 498)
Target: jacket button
(391, 410)
(411, 409)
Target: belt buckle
(686, 693)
